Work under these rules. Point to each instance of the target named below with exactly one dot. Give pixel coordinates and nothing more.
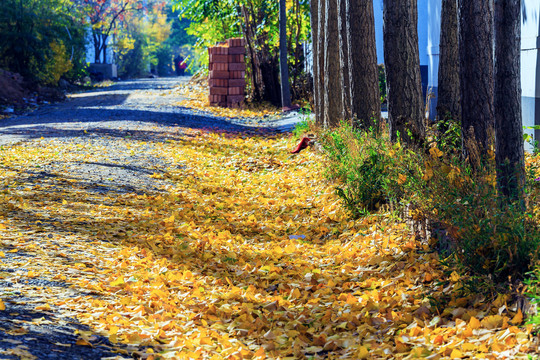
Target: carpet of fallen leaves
(246, 254)
(196, 95)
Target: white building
(429, 25)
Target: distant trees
(103, 16)
(257, 21)
(40, 39)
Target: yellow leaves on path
(197, 98)
(246, 253)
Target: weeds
(487, 236)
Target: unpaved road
(92, 124)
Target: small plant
(302, 128)
(529, 138)
(369, 169)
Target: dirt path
(87, 151)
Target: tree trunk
(97, 47)
(333, 101)
(104, 47)
(402, 60)
(476, 77)
(319, 119)
(315, 55)
(448, 103)
(509, 154)
(363, 70)
(344, 59)
(283, 65)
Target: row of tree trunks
(480, 92)
(344, 58)
(345, 62)
(484, 90)
(315, 52)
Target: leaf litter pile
(243, 252)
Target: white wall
(530, 65)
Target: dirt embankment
(17, 93)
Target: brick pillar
(227, 72)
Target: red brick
(217, 98)
(218, 82)
(218, 90)
(237, 74)
(236, 42)
(219, 58)
(240, 50)
(214, 74)
(235, 98)
(237, 83)
(236, 91)
(218, 66)
(236, 58)
(237, 67)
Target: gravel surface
(92, 122)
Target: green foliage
(487, 235)
(529, 138)
(142, 43)
(40, 39)
(448, 135)
(133, 62)
(382, 83)
(213, 21)
(368, 168)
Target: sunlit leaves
(244, 252)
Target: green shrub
(39, 39)
(369, 169)
(488, 235)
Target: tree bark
(283, 64)
(315, 54)
(333, 101)
(344, 59)
(320, 58)
(402, 60)
(509, 154)
(363, 70)
(448, 99)
(476, 77)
